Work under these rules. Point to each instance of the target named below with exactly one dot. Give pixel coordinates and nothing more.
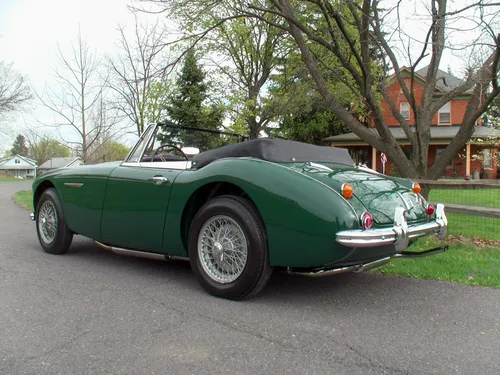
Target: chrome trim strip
(404, 200)
(74, 184)
(319, 166)
(142, 138)
(177, 165)
(134, 253)
(399, 234)
(334, 271)
(139, 254)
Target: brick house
(478, 158)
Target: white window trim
(446, 110)
(401, 110)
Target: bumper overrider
(399, 234)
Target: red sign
(383, 158)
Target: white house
(18, 166)
(60, 163)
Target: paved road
(90, 312)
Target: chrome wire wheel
(222, 249)
(47, 222)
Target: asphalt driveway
(92, 312)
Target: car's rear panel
(373, 192)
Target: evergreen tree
(19, 146)
(188, 107)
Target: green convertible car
(237, 212)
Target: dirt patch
(476, 241)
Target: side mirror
(190, 151)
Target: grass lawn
(466, 225)
(473, 226)
(24, 198)
(478, 197)
(10, 179)
(462, 263)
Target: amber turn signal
(416, 188)
(347, 191)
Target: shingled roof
(437, 133)
(445, 81)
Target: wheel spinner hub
(222, 249)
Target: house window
(487, 159)
(404, 109)
(17, 161)
(445, 114)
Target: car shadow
(282, 287)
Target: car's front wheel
(53, 234)
(228, 248)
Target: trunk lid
(373, 192)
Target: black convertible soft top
(275, 150)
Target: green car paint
(301, 217)
(82, 205)
(134, 209)
(301, 207)
(373, 192)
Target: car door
(135, 206)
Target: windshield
(135, 154)
(203, 139)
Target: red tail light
(429, 209)
(366, 220)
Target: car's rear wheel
(228, 248)
(53, 234)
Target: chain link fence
(472, 207)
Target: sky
(30, 31)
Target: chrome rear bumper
(399, 234)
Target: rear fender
(300, 214)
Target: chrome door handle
(158, 180)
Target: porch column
(374, 158)
(467, 160)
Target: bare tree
(14, 92)
(253, 51)
(244, 51)
(351, 30)
(77, 99)
(140, 74)
(359, 35)
(42, 146)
